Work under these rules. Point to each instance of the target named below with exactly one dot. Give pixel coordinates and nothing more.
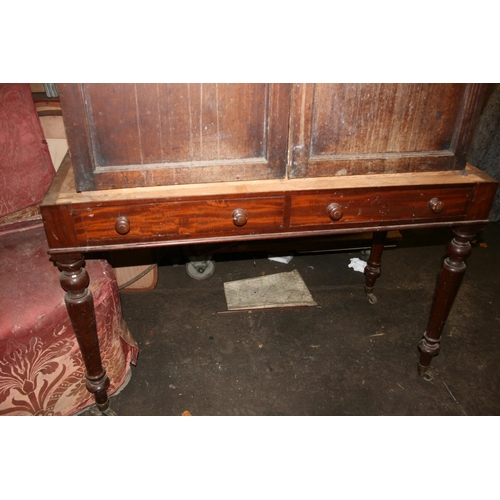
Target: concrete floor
(343, 357)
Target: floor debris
(357, 265)
(271, 291)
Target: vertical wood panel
(469, 118)
(379, 118)
(148, 115)
(113, 123)
(169, 123)
(203, 122)
(209, 139)
(277, 126)
(300, 136)
(176, 123)
(242, 111)
(75, 123)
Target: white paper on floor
(358, 265)
(275, 290)
(284, 259)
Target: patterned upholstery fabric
(41, 368)
(26, 169)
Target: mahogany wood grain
(59, 226)
(378, 204)
(159, 221)
(175, 215)
(482, 200)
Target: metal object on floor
(200, 267)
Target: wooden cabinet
(136, 135)
(169, 164)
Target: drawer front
(177, 220)
(362, 206)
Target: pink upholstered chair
(41, 369)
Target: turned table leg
(372, 269)
(452, 272)
(80, 305)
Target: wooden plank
(63, 189)
(471, 110)
(348, 229)
(53, 127)
(127, 266)
(58, 149)
(300, 129)
(77, 135)
(277, 128)
(37, 87)
(112, 120)
(335, 243)
(129, 273)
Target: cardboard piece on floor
(264, 292)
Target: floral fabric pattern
(41, 368)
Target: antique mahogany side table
(169, 164)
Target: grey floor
(343, 357)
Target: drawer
(159, 220)
(368, 206)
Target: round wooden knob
(122, 225)
(436, 205)
(335, 211)
(240, 217)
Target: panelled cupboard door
(134, 135)
(349, 129)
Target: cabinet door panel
(131, 135)
(342, 129)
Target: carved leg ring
(80, 305)
(372, 269)
(452, 272)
